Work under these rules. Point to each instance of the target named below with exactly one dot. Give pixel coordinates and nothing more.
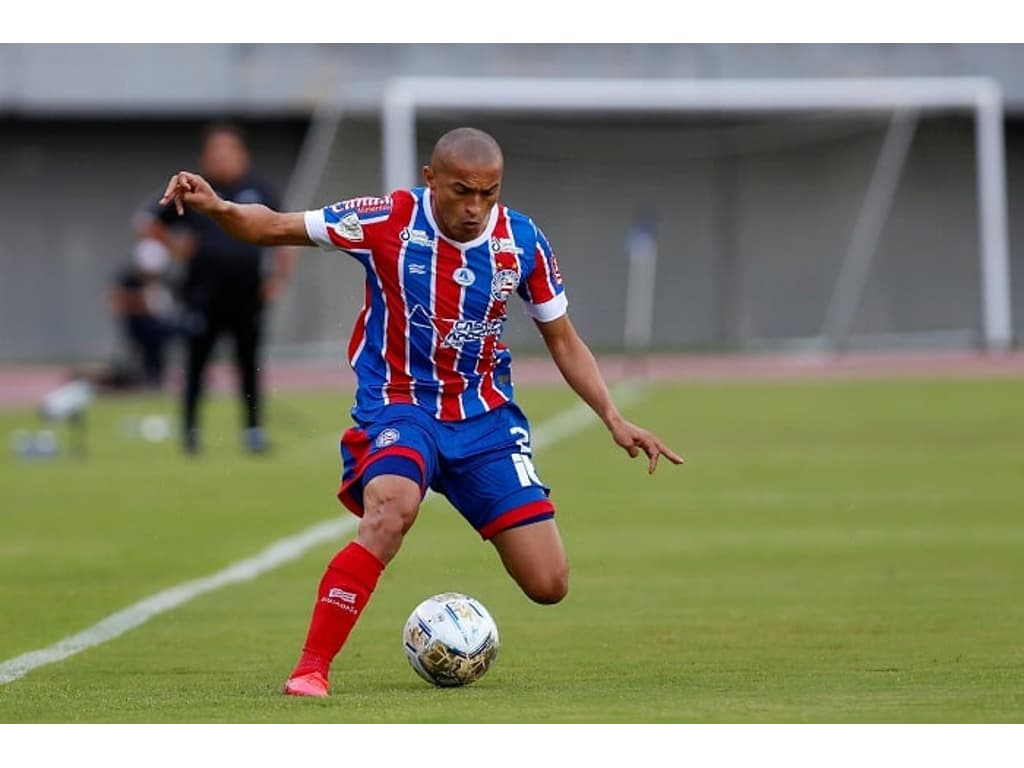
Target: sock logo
(341, 594)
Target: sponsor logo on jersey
(416, 237)
(364, 206)
(417, 269)
(388, 436)
(464, 276)
(471, 330)
(507, 244)
(349, 227)
(504, 282)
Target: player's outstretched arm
(252, 223)
(579, 368)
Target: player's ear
(428, 176)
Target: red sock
(344, 591)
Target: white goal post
(404, 99)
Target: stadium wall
(753, 219)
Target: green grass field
(831, 552)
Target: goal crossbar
(403, 99)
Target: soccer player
(434, 405)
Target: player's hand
(634, 439)
(190, 189)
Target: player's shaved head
(464, 177)
(464, 147)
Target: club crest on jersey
(464, 276)
(506, 244)
(416, 237)
(388, 436)
(349, 227)
(504, 282)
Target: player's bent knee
(549, 588)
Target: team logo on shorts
(388, 436)
(464, 276)
(504, 282)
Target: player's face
(224, 159)
(462, 196)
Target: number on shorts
(523, 440)
(525, 470)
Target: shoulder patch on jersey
(349, 227)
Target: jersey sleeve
(348, 224)
(543, 289)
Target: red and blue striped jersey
(429, 332)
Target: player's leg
(202, 336)
(387, 469)
(493, 483)
(534, 556)
(246, 325)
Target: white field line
(282, 551)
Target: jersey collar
(480, 239)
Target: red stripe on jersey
(490, 394)
(387, 262)
(539, 281)
(447, 295)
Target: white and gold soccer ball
(450, 639)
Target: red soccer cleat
(309, 684)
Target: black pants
(244, 324)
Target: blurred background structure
(748, 228)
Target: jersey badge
(504, 282)
(464, 276)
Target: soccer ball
(450, 639)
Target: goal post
(406, 99)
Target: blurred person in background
(226, 284)
(141, 300)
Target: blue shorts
(483, 465)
